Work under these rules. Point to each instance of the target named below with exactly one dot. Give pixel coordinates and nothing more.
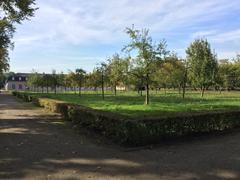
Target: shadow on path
(34, 143)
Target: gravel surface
(35, 144)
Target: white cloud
(233, 36)
(81, 22)
(227, 54)
(60, 25)
(203, 34)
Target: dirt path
(37, 145)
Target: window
(13, 78)
(20, 86)
(20, 78)
(13, 86)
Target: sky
(65, 35)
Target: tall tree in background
(117, 71)
(47, 80)
(80, 75)
(54, 79)
(169, 74)
(147, 54)
(35, 80)
(11, 12)
(94, 79)
(72, 81)
(203, 64)
(102, 70)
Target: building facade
(16, 82)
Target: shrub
(139, 131)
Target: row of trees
(148, 65)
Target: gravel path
(35, 144)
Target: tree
(61, 81)
(94, 79)
(47, 81)
(137, 77)
(12, 12)
(3, 78)
(147, 54)
(169, 74)
(54, 80)
(117, 71)
(35, 80)
(69, 80)
(203, 64)
(4, 66)
(185, 77)
(80, 75)
(102, 70)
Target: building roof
(19, 77)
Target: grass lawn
(161, 104)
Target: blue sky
(65, 35)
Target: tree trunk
(103, 86)
(80, 89)
(147, 94)
(47, 89)
(183, 91)
(55, 89)
(202, 91)
(115, 89)
(184, 83)
(147, 89)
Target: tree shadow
(37, 144)
(44, 144)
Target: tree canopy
(12, 12)
(203, 64)
(147, 57)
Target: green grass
(161, 104)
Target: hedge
(135, 132)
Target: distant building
(16, 82)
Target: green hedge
(139, 131)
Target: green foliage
(2, 80)
(170, 73)
(229, 74)
(54, 80)
(35, 80)
(12, 12)
(93, 79)
(79, 78)
(203, 64)
(117, 71)
(148, 55)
